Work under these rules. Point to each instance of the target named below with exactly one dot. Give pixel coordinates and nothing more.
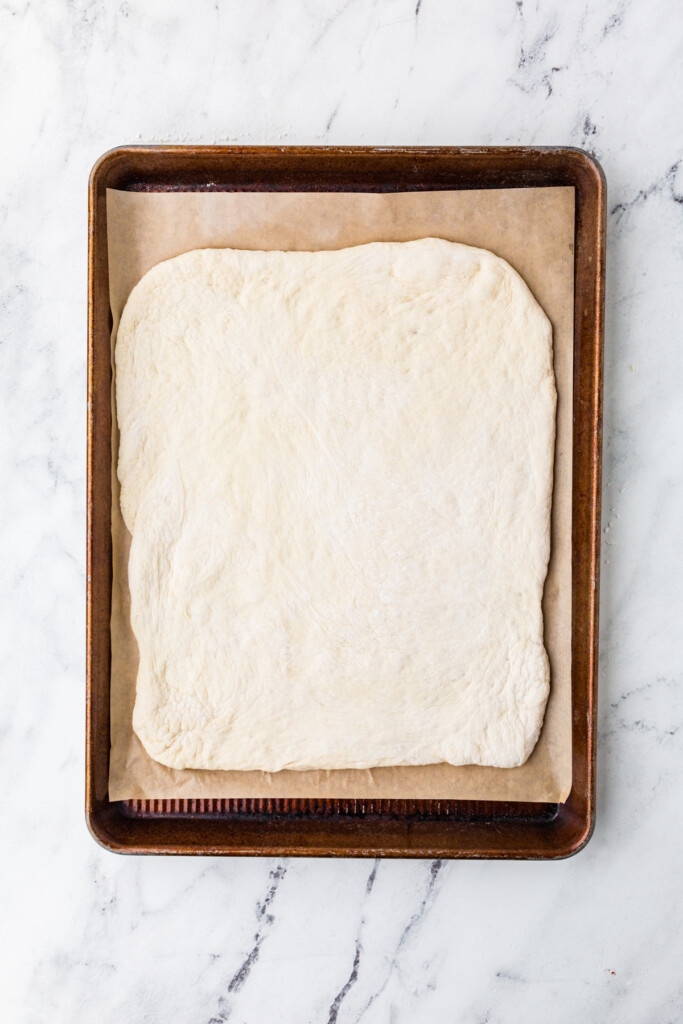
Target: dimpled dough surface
(336, 468)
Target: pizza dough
(337, 471)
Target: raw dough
(337, 471)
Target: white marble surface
(90, 937)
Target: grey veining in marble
(91, 938)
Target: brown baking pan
(353, 828)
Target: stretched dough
(337, 471)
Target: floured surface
(337, 470)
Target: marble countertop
(91, 937)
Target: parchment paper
(531, 228)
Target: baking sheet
(531, 228)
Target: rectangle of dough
(337, 471)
